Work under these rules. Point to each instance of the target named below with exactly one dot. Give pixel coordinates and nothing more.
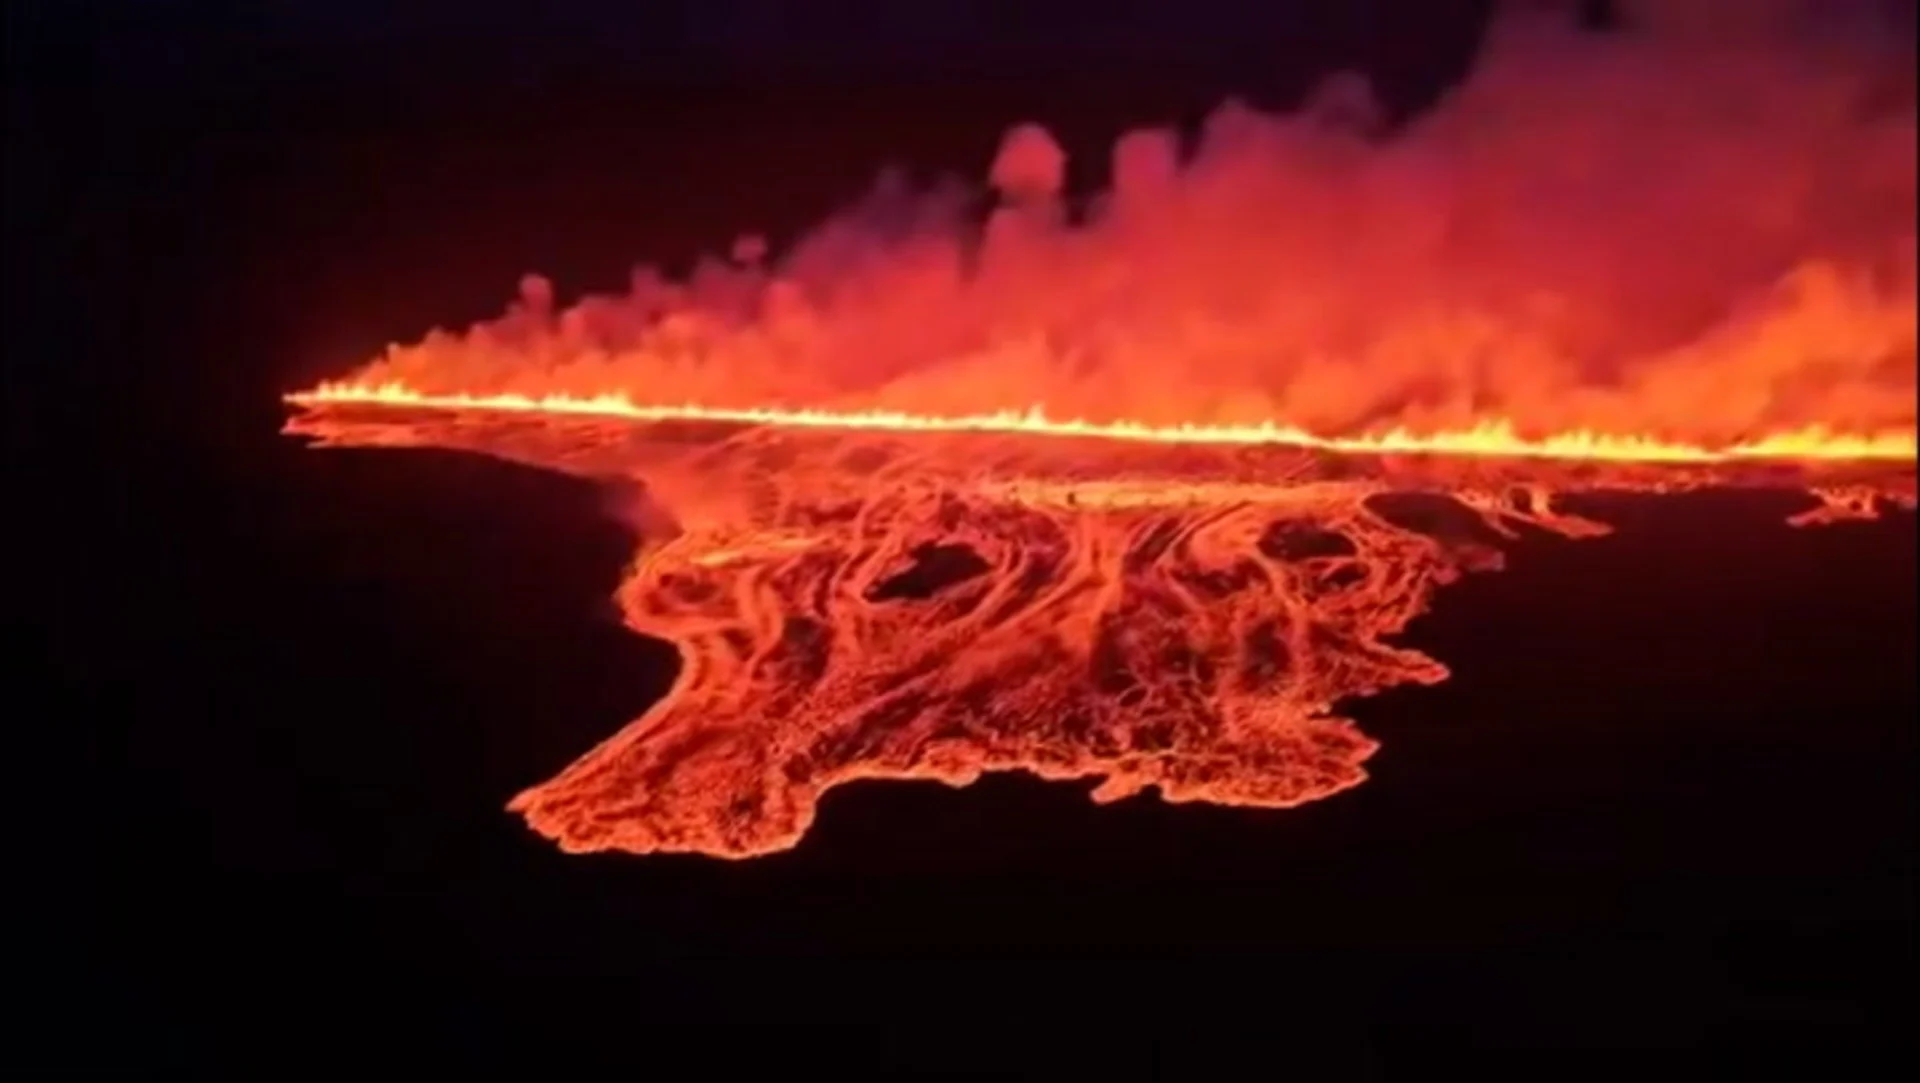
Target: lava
(1494, 438)
(1104, 488)
(1178, 616)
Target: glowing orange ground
(1182, 616)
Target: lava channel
(925, 605)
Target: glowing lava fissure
(1496, 438)
(1653, 260)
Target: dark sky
(154, 128)
(173, 40)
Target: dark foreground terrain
(1678, 757)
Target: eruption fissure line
(1496, 438)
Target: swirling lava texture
(931, 606)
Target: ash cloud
(1700, 225)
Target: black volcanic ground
(1682, 750)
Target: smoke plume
(1699, 225)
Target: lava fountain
(1106, 489)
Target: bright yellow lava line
(1496, 438)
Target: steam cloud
(1701, 226)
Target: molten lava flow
(1652, 260)
(909, 603)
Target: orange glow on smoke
(1678, 256)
